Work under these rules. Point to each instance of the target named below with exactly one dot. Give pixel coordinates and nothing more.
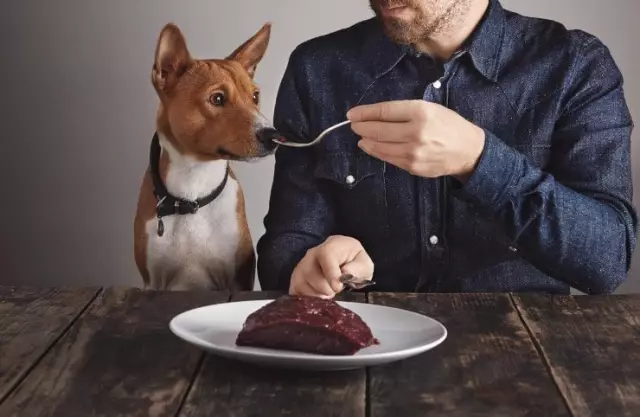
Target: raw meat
(306, 324)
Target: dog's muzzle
(266, 137)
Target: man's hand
(425, 139)
(319, 271)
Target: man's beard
(405, 32)
(422, 26)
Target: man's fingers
(318, 273)
(321, 287)
(385, 151)
(330, 266)
(312, 284)
(361, 267)
(304, 289)
(383, 131)
(316, 278)
(388, 111)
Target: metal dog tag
(160, 227)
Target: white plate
(401, 333)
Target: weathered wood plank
(227, 388)
(31, 320)
(487, 366)
(592, 345)
(119, 359)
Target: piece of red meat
(306, 324)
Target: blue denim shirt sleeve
(574, 218)
(300, 215)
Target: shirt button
(350, 180)
(433, 240)
(437, 84)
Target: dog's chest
(204, 243)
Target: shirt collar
(483, 46)
(379, 50)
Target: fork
(313, 142)
(354, 283)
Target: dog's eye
(217, 99)
(256, 97)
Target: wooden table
(108, 352)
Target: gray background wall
(78, 111)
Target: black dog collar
(168, 204)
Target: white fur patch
(196, 250)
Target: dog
(190, 228)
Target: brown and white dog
(190, 229)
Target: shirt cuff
(492, 183)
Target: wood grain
(31, 320)
(119, 359)
(227, 388)
(592, 345)
(487, 366)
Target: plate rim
(274, 354)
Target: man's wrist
(496, 174)
(472, 156)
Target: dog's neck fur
(189, 178)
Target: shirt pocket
(356, 182)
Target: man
(487, 151)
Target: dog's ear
(172, 58)
(251, 52)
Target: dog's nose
(267, 135)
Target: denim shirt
(548, 207)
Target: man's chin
(396, 31)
